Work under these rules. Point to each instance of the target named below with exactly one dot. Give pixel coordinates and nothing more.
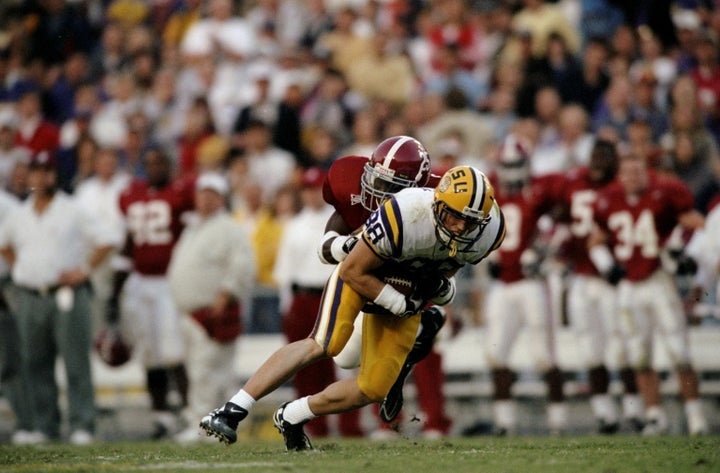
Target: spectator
(693, 170)
(329, 106)
(654, 64)
(10, 154)
(211, 273)
(52, 305)
(68, 78)
(450, 74)
(541, 19)
(595, 80)
(707, 78)
(267, 164)
(614, 109)
(645, 107)
(342, 44)
(34, 131)
(687, 29)
(180, 21)
(383, 73)
(108, 55)
(197, 127)
(366, 133)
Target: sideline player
(518, 298)
(152, 209)
(634, 218)
(592, 298)
(420, 235)
(355, 187)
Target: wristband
(391, 299)
(336, 248)
(328, 256)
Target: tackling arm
(337, 242)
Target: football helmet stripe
(501, 231)
(395, 147)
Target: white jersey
(403, 230)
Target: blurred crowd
(260, 91)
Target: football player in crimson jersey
(591, 299)
(355, 187)
(634, 217)
(152, 210)
(420, 234)
(519, 286)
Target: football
(402, 284)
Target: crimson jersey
(522, 211)
(342, 190)
(153, 221)
(638, 226)
(578, 196)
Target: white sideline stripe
(209, 466)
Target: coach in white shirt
(212, 269)
(99, 195)
(52, 246)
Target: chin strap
(453, 248)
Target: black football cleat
(223, 422)
(607, 428)
(294, 434)
(431, 321)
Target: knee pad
(340, 336)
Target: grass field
(674, 454)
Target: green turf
(457, 455)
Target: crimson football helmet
(398, 162)
(112, 347)
(514, 163)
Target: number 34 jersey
(638, 226)
(153, 219)
(403, 231)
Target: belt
(49, 290)
(307, 290)
(41, 291)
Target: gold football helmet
(464, 198)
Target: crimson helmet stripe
(394, 149)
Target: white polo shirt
(59, 239)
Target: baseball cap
(313, 177)
(213, 181)
(43, 159)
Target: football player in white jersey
(418, 238)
